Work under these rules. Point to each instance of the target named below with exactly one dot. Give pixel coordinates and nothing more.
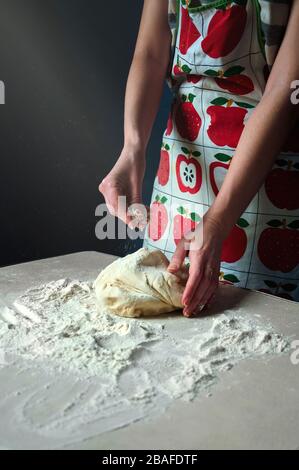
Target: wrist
(134, 145)
(133, 153)
(215, 226)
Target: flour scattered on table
(59, 322)
(122, 369)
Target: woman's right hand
(125, 179)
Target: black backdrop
(64, 64)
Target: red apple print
(169, 126)
(181, 69)
(232, 80)
(193, 78)
(163, 170)
(222, 158)
(227, 122)
(225, 31)
(278, 246)
(158, 218)
(183, 223)
(239, 85)
(188, 172)
(234, 246)
(230, 279)
(187, 119)
(189, 32)
(177, 70)
(282, 185)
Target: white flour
(119, 370)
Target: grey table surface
(254, 406)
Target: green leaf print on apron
(218, 73)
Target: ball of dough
(140, 285)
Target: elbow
(157, 62)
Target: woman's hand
(125, 179)
(204, 246)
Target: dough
(139, 285)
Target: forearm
(259, 145)
(142, 100)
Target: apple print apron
(217, 73)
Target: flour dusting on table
(122, 369)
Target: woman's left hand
(203, 246)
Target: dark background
(64, 64)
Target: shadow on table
(227, 297)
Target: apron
(218, 73)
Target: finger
(206, 286)
(196, 311)
(178, 257)
(214, 283)
(206, 299)
(113, 199)
(211, 297)
(117, 205)
(194, 279)
(196, 302)
(139, 215)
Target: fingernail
(186, 313)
